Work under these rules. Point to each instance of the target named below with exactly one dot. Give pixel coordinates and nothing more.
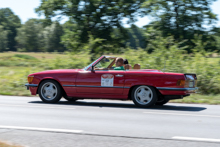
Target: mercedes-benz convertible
(99, 80)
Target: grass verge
(199, 99)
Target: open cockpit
(108, 63)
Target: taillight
(180, 83)
(30, 79)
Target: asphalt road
(29, 122)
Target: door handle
(119, 75)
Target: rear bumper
(30, 85)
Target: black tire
(55, 96)
(147, 103)
(70, 99)
(162, 102)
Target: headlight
(191, 80)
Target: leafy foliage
(136, 37)
(95, 17)
(3, 39)
(182, 19)
(9, 22)
(30, 36)
(52, 38)
(25, 57)
(34, 37)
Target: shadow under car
(114, 104)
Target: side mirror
(92, 68)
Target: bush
(22, 56)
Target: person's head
(126, 61)
(119, 62)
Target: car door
(103, 82)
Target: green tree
(136, 37)
(3, 39)
(216, 34)
(92, 17)
(10, 22)
(181, 18)
(52, 37)
(30, 37)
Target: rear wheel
(50, 91)
(144, 96)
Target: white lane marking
(31, 106)
(216, 116)
(41, 129)
(196, 139)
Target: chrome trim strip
(69, 85)
(101, 86)
(126, 87)
(31, 85)
(36, 85)
(177, 89)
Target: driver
(119, 62)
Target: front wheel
(144, 96)
(50, 91)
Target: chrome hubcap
(49, 91)
(143, 95)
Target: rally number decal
(107, 80)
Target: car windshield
(87, 67)
(104, 63)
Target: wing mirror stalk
(92, 68)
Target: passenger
(119, 64)
(126, 65)
(125, 61)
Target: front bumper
(30, 85)
(178, 89)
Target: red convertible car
(146, 87)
